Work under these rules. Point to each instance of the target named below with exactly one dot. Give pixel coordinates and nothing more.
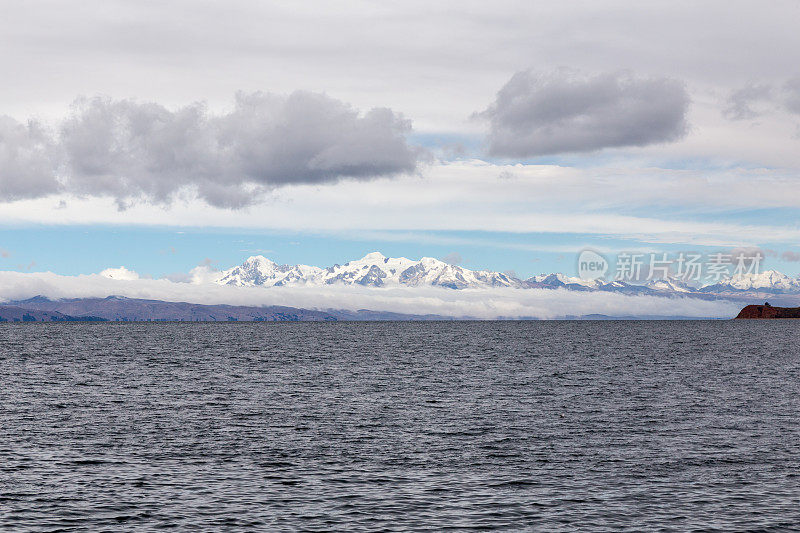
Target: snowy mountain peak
(258, 260)
(767, 281)
(373, 270)
(373, 257)
(669, 284)
(258, 270)
(560, 280)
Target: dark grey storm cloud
(130, 150)
(538, 114)
(28, 159)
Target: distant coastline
(123, 309)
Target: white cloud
(742, 103)
(453, 258)
(753, 100)
(120, 273)
(355, 49)
(484, 304)
(468, 195)
(128, 49)
(203, 274)
(143, 151)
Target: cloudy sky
(501, 135)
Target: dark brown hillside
(768, 311)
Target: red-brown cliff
(768, 311)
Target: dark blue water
(552, 426)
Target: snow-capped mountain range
(373, 270)
(376, 270)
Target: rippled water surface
(400, 426)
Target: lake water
(400, 426)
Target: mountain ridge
(120, 308)
(378, 271)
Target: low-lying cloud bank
(482, 304)
(132, 150)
